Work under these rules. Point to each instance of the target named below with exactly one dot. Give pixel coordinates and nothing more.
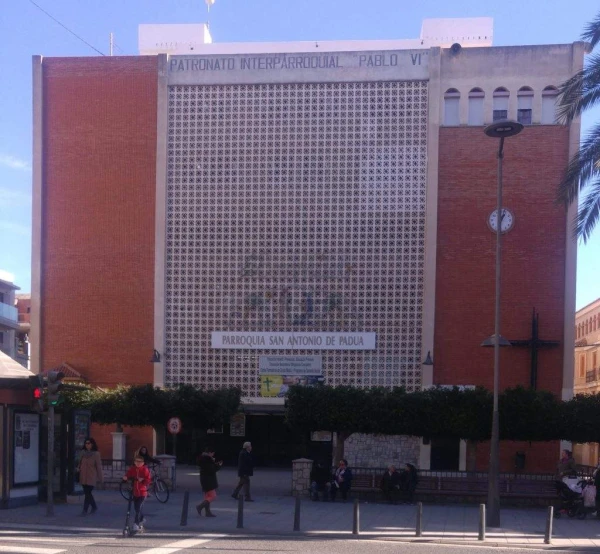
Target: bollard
(481, 536)
(356, 523)
(548, 535)
(184, 508)
(297, 514)
(240, 518)
(419, 530)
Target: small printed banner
(278, 385)
(290, 365)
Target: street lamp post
(501, 130)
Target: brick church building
(263, 214)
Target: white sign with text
(254, 340)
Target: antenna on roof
(209, 3)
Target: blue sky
(27, 31)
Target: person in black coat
(208, 479)
(245, 471)
(409, 481)
(320, 477)
(390, 484)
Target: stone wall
(301, 477)
(379, 450)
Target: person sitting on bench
(390, 484)
(342, 481)
(320, 476)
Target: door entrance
(445, 454)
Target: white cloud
(16, 228)
(14, 163)
(12, 198)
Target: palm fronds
(576, 95)
(584, 166)
(580, 92)
(589, 211)
(591, 32)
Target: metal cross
(534, 343)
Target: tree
(576, 95)
(142, 405)
(343, 410)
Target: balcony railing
(9, 312)
(591, 376)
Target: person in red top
(140, 475)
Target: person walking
(245, 471)
(139, 474)
(208, 480)
(90, 473)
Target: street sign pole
(174, 427)
(50, 469)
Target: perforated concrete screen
(295, 207)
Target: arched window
(476, 97)
(501, 96)
(451, 107)
(524, 105)
(549, 98)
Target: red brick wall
(24, 310)
(533, 261)
(98, 217)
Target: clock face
(507, 220)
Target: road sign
(174, 426)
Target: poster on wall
(320, 436)
(26, 432)
(237, 425)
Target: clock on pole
(507, 220)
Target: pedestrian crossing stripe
(28, 550)
(179, 545)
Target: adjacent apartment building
(587, 368)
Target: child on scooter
(140, 475)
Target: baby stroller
(570, 501)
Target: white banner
(290, 365)
(253, 340)
(26, 448)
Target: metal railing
(9, 312)
(591, 376)
(379, 471)
(113, 471)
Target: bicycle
(157, 487)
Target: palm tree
(577, 94)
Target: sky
(27, 31)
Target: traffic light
(36, 386)
(54, 385)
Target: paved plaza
(273, 513)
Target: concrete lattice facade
(296, 207)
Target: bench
(465, 487)
(365, 482)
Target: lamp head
(503, 128)
(491, 341)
